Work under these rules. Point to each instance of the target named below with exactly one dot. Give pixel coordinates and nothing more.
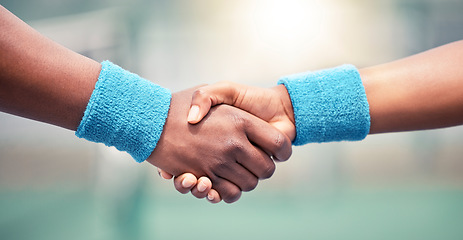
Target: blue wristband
(125, 111)
(329, 105)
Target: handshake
(229, 148)
(221, 139)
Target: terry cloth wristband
(125, 111)
(329, 105)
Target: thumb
(208, 96)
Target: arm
(40, 79)
(423, 91)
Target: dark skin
(44, 81)
(40, 79)
(220, 147)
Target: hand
(188, 182)
(272, 105)
(222, 147)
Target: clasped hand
(228, 148)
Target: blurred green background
(390, 186)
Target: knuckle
(279, 141)
(199, 94)
(269, 170)
(251, 184)
(282, 146)
(238, 120)
(233, 147)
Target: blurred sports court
(392, 186)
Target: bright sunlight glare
(287, 22)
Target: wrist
(125, 111)
(176, 117)
(285, 99)
(329, 105)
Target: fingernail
(187, 183)
(210, 197)
(193, 114)
(202, 186)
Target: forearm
(423, 91)
(40, 79)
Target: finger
(228, 191)
(213, 196)
(206, 97)
(164, 174)
(256, 161)
(268, 138)
(185, 182)
(202, 188)
(238, 175)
